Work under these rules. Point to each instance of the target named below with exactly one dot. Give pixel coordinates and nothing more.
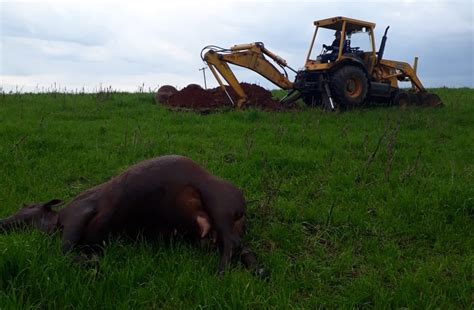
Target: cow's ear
(53, 203)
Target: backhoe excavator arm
(251, 56)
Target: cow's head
(39, 216)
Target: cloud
(54, 22)
(124, 44)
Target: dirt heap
(164, 93)
(193, 97)
(196, 98)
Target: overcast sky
(124, 44)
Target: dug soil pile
(196, 98)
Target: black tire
(349, 86)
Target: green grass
(367, 208)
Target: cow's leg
(73, 222)
(228, 243)
(96, 232)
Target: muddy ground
(194, 97)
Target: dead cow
(161, 197)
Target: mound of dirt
(193, 97)
(164, 93)
(196, 98)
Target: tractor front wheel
(349, 86)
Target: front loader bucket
(429, 100)
(405, 99)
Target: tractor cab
(351, 39)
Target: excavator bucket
(290, 98)
(429, 100)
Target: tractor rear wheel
(349, 86)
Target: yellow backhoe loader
(341, 76)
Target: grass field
(367, 208)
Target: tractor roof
(335, 23)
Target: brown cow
(160, 197)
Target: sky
(76, 45)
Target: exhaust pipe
(382, 46)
